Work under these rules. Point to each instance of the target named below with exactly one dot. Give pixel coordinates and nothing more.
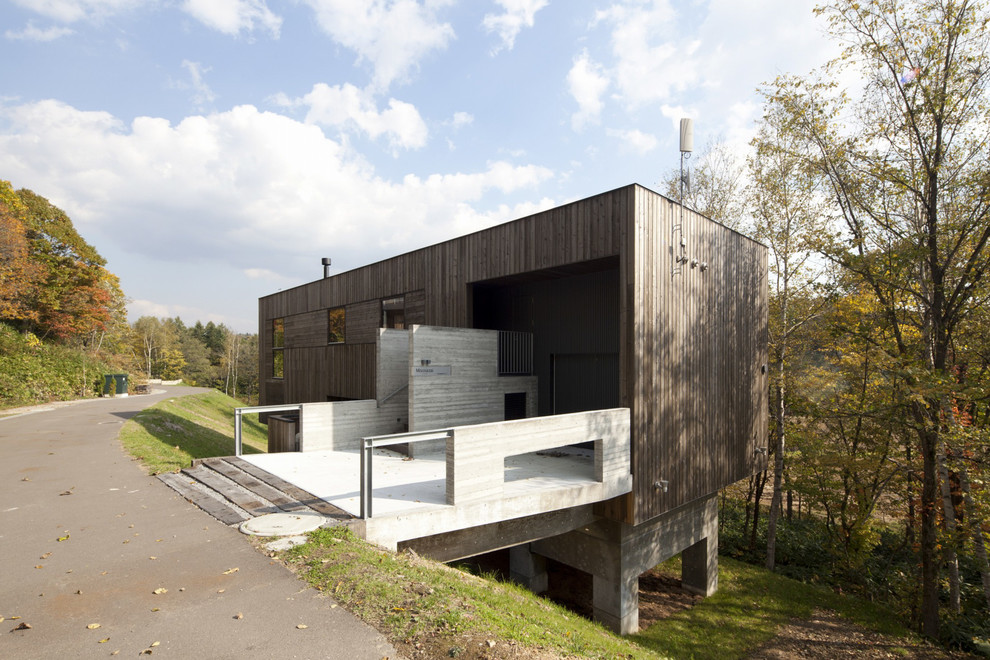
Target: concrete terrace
(480, 476)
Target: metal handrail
(256, 409)
(382, 402)
(368, 445)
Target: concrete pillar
(616, 554)
(528, 568)
(699, 567)
(699, 561)
(616, 603)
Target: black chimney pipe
(326, 267)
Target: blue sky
(214, 150)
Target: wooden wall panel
(416, 308)
(306, 330)
(699, 336)
(361, 322)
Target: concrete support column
(528, 568)
(616, 603)
(699, 561)
(616, 554)
(699, 567)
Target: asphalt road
(87, 538)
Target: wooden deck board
(279, 498)
(220, 511)
(211, 479)
(307, 498)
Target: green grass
(170, 434)
(415, 600)
(446, 610)
(751, 604)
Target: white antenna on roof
(687, 146)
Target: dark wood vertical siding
(691, 344)
(308, 329)
(416, 308)
(361, 321)
(699, 334)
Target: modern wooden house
(624, 300)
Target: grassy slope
(167, 436)
(414, 599)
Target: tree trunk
(929, 538)
(949, 520)
(976, 529)
(761, 480)
(778, 471)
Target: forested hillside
(63, 321)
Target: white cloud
(638, 141)
(516, 14)
(70, 11)
(234, 16)
(202, 94)
(346, 107)
(32, 33)
(586, 82)
(697, 59)
(242, 188)
(461, 119)
(393, 35)
(141, 307)
(262, 274)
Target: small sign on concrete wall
(438, 370)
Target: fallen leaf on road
(39, 566)
(238, 616)
(45, 556)
(127, 540)
(104, 640)
(147, 652)
(68, 492)
(155, 609)
(154, 644)
(23, 626)
(302, 626)
(93, 626)
(63, 538)
(25, 479)
(219, 591)
(159, 591)
(231, 570)
(152, 558)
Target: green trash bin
(114, 384)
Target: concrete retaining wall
(476, 454)
(457, 382)
(340, 425)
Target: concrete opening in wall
(551, 467)
(515, 405)
(572, 313)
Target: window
(335, 325)
(394, 313)
(278, 347)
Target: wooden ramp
(233, 490)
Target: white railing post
(237, 432)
